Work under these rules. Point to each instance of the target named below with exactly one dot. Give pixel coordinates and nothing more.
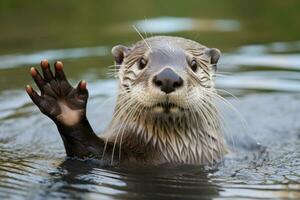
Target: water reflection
(259, 56)
(11, 61)
(175, 24)
(287, 62)
(288, 191)
(119, 183)
(253, 82)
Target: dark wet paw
(58, 99)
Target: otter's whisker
(124, 122)
(226, 92)
(142, 37)
(205, 124)
(115, 116)
(129, 120)
(230, 106)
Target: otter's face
(165, 75)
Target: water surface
(260, 66)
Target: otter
(165, 110)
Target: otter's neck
(182, 139)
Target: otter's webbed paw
(58, 99)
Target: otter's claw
(58, 99)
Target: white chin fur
(174, 110)
(161, 110)
(158, 109)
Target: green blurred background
(37, 25)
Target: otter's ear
(214, 55)
(119, 52)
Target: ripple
(256, 83)
(15, 60)
(33, 165)
(288, 62)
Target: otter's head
(165, 76)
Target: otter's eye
(142, 63)
(194, 65)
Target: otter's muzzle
(167, 80)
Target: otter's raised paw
(58, 99)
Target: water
(260, 65)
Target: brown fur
(191, 132)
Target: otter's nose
(167, 80)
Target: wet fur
(191, 135)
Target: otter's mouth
(166, 107)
